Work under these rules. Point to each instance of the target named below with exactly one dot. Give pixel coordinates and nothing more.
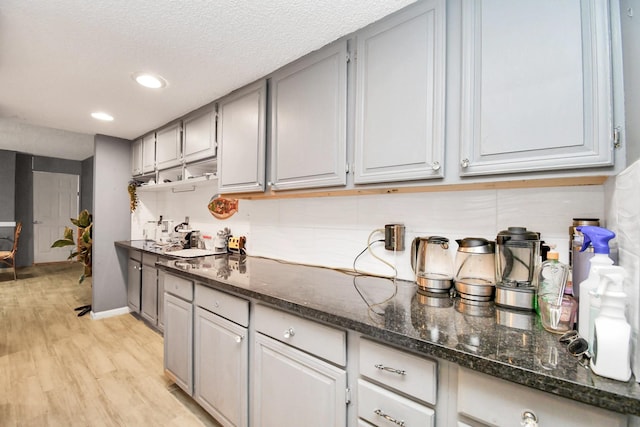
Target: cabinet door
(136, 157)
(536, 86)
(161, 300)
(400, 96)
(149, 303)
(178, 341)
(292, 388)
(168, 147)
(242, 136)
(221, 357)
(199, 140)
(308, 116)
(149, 153)
(134, 269)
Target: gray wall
(7, 197)
(112, 222)
(86, 185)
(24, 208)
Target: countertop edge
(557, 386)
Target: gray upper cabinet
(536, 86)
(242, 139)
(168, 146)
(136, 157)
(308, 121)
(199, 140)
(400, 96)
(149, 153)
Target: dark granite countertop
(503, 343)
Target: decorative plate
(222, 208)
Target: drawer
(501, 403)
(384, 408)
(178, 286)
(137, 255)
(405, 372)
(149, 259)
(323, 341)
(228, 306)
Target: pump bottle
(599, 237)
(612, 333)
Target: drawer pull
(289, 333)
(389, 369)
(388, 417)
(529, 419)
(238, 339)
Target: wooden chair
(9, 257)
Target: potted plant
(83, 244)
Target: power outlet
(394, 237)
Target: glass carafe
(432, 263)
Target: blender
(518, 253)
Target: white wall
(332, 231)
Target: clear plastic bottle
(556, 310)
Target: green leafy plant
(83, 244)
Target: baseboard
(109, 313)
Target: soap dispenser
(611, 332)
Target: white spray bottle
(599, 237)
(611, 332)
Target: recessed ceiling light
(150, 80)
(99, 115)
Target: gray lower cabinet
(149, 297)
(221, 353)
(178, 331)
(242, 140)
(400, 96)
(221, 356)
(536, 86)
(293, 388)
(134, 279)
(298, 378)
(510, 404)
(308, 121)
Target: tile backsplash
(331, 231)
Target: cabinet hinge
(347, 168)
(616, 137)
(351, 56)
(347, 396)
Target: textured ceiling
(62, 59)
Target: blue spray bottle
(599, 237)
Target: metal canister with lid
(579, 261)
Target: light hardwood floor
(57, 369)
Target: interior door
(55, 201)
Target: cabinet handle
(389, 369)
(435, 166)
(289, 333)
(465, 163)
(529, 419)
(388, 417)
(238, 339)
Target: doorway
(55, 201)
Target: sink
(191, 253)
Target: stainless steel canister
(580, 261)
